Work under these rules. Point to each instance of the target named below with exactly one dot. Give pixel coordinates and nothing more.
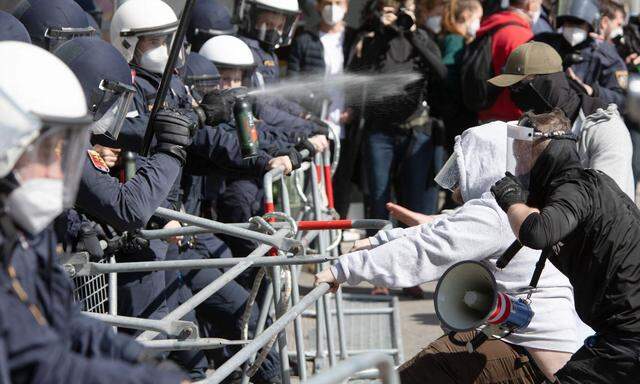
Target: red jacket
(502, 44)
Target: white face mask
(434, 24)
(155, 59)
(574, 35)
(332, 14)
(615, 33)
(36, 203)
(472, 29)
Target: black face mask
(270, 38)
(527, 98)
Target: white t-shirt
(334, 63)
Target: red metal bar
(328, 185)
(329, 224)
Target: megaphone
(467, 298)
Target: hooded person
(479, 231)
(590, 230)
(534, 75)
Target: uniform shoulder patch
(97, 161)
(269, 63)
(623, 78)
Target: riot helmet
(232, 57)
(578, 11)
(271, 22)
(11, 29)
(44, 131)
(52, 22)
(106, 81)
(143, 32)
(209, 18)
(201, 75)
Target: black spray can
(245, 127)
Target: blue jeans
(406, 161)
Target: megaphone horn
(467, 297)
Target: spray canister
(128, 159)
(245, 126)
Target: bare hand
(174, 239)
(575, 77)
(320, 142)
(326, 276)
(632, 59)
(388, 16)
(360, 245)
(281, 161)
(407, 216)
(109, 155)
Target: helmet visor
(56, 154)
(56, 36)
(110, 108)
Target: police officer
(52, 22)
(594, 65)
(209, 18)
(46, 339)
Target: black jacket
(389, 51)
(590, 230)
(307, 53)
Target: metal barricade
(283, 240)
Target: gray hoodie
(479, 230)
(604, 143)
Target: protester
(590, 230)
(534, 75)
(479, 230)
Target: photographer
(590, 230)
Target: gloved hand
(217, 107)
(320, 126)
(304, 143)
(174, 132)
(294, 156)
(508, 191)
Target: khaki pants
(445, 362)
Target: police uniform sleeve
(127, 206)
(567, 206)
(36, 354)
(612, 82)
(221, 147)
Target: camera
(404, 22)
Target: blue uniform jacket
(71, 348)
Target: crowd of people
(527, 99)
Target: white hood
(482, 158)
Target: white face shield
(520, 161)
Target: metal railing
(282, 246)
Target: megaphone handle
(477, 341)
(509, 254)
(538, 271)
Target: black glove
(174, 131)
(304, 143)
(295, 157)
(218, 107)
(508, 191)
